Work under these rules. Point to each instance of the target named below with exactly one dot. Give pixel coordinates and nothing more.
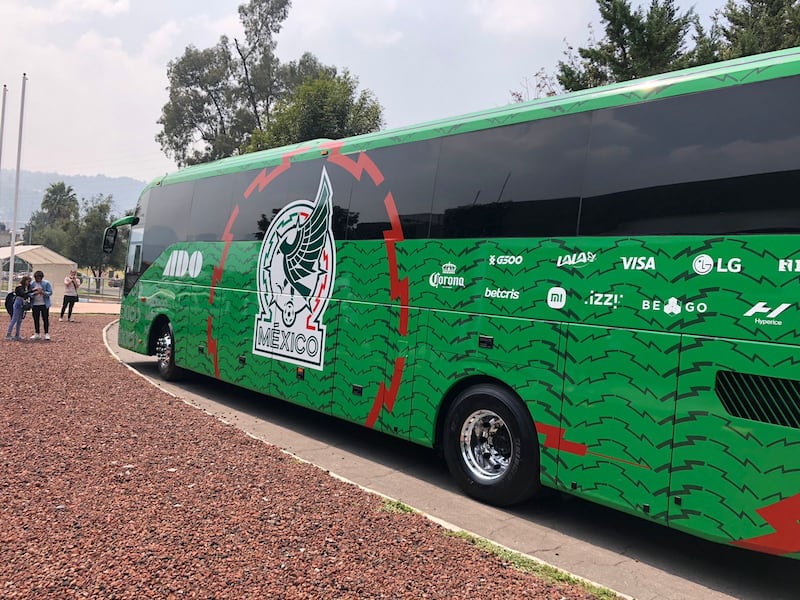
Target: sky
(96, 69)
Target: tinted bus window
(724, 161)
(211, 208)
(165, 219)
(409, 171)
(515, 181)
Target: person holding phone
(40, 304)
(71, 285)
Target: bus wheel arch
(489, 442)
(162, 345)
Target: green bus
(597, 293)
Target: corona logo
(449, 269)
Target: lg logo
(704, 264)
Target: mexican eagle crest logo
(296, 271)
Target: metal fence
(103, 289)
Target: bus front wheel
(491, 447)
(165, 354)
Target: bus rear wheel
(491, 447)
(165, 354)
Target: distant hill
(32, 185)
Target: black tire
(165, 354)
(491, 447)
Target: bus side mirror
(109, 240)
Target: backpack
(10, 302)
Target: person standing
(71, 285)
(40, 304)
(21, 294)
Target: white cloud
(522, 17)
(103, 7)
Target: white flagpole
(2, 129)
(16, 188)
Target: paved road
(632, 556)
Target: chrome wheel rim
(164, 350)
(486, 447)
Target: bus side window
(685, 166)
(515, 181)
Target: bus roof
(749, 69)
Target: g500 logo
(296, 271)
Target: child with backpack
(22, 295)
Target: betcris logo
(181, 264)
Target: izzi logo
(639, 263)
(296, 272)
(603, 299)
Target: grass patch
(528, 565)
(395, 506)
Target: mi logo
(181, 264)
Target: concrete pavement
(90, 307)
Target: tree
(217, 98)
(756, 26)
(56, 222)
(87, 244)
(326, 107)
(636, 44)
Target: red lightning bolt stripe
(554, 438)
(398, 289)
(212, 344)
(227, 237)
(355, 168)
(784, 516)
(262, 180)
(386, 397)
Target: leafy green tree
(637, 43)
(326, 107)
(56, 222)
(219, 96)
(756, 26)
(87, 247)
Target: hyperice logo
(770, 314)
(296, 271)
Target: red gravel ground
(111, 489)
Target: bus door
(236, 310)
(372, 364)
(301, 381)
(618, 417)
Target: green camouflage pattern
(612, 343)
